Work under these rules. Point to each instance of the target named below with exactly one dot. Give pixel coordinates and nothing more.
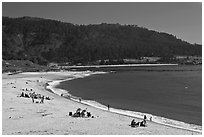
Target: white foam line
(156, 119)
(140, 115)
(52, 85)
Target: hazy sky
(181, 19)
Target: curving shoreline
(20, 116)
(159, 120)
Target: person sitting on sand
(83, 113)
(32, 98)
(78, 111)
(22, 94)
(88, 114)
(48, 98)
(133, 123)
(143, 123)
(26, 95)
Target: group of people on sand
(34, 96)
(81, 113)
(143, 123)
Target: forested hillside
(42, 41)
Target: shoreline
(22, 117)
(159, 120)
(122, 65)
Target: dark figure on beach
(145, 117)
(150, 119)
(22, 94)
(143, 123)
(78, 112)
(79, 99)
(42, 99)
(108, 107)
(26, 95)
(32, 98)
(48, 98)
(70, 113)
(83, 113)
(88, 114)
(133, 123)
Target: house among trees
(191, 60)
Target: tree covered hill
(44, 40)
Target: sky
(184, 20)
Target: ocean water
(172, 92)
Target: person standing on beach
(32, 97)
(42, 99)
(145, 117)
(108, 107)
(150, 119)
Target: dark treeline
(43, 40)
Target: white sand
(21, 116)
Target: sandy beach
(20, 116)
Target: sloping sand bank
(21, 116)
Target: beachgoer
(70, 113)
(79, 99)
(137, 124)
(48, 98)
(88, 114)
(108, 107)
(83, 113)
(145, 117)
(133, 122)
(78, 111)
(26, 95)
(22, 94)
(32, 97)
(42, 99)
(143, 123)
(150, 119)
